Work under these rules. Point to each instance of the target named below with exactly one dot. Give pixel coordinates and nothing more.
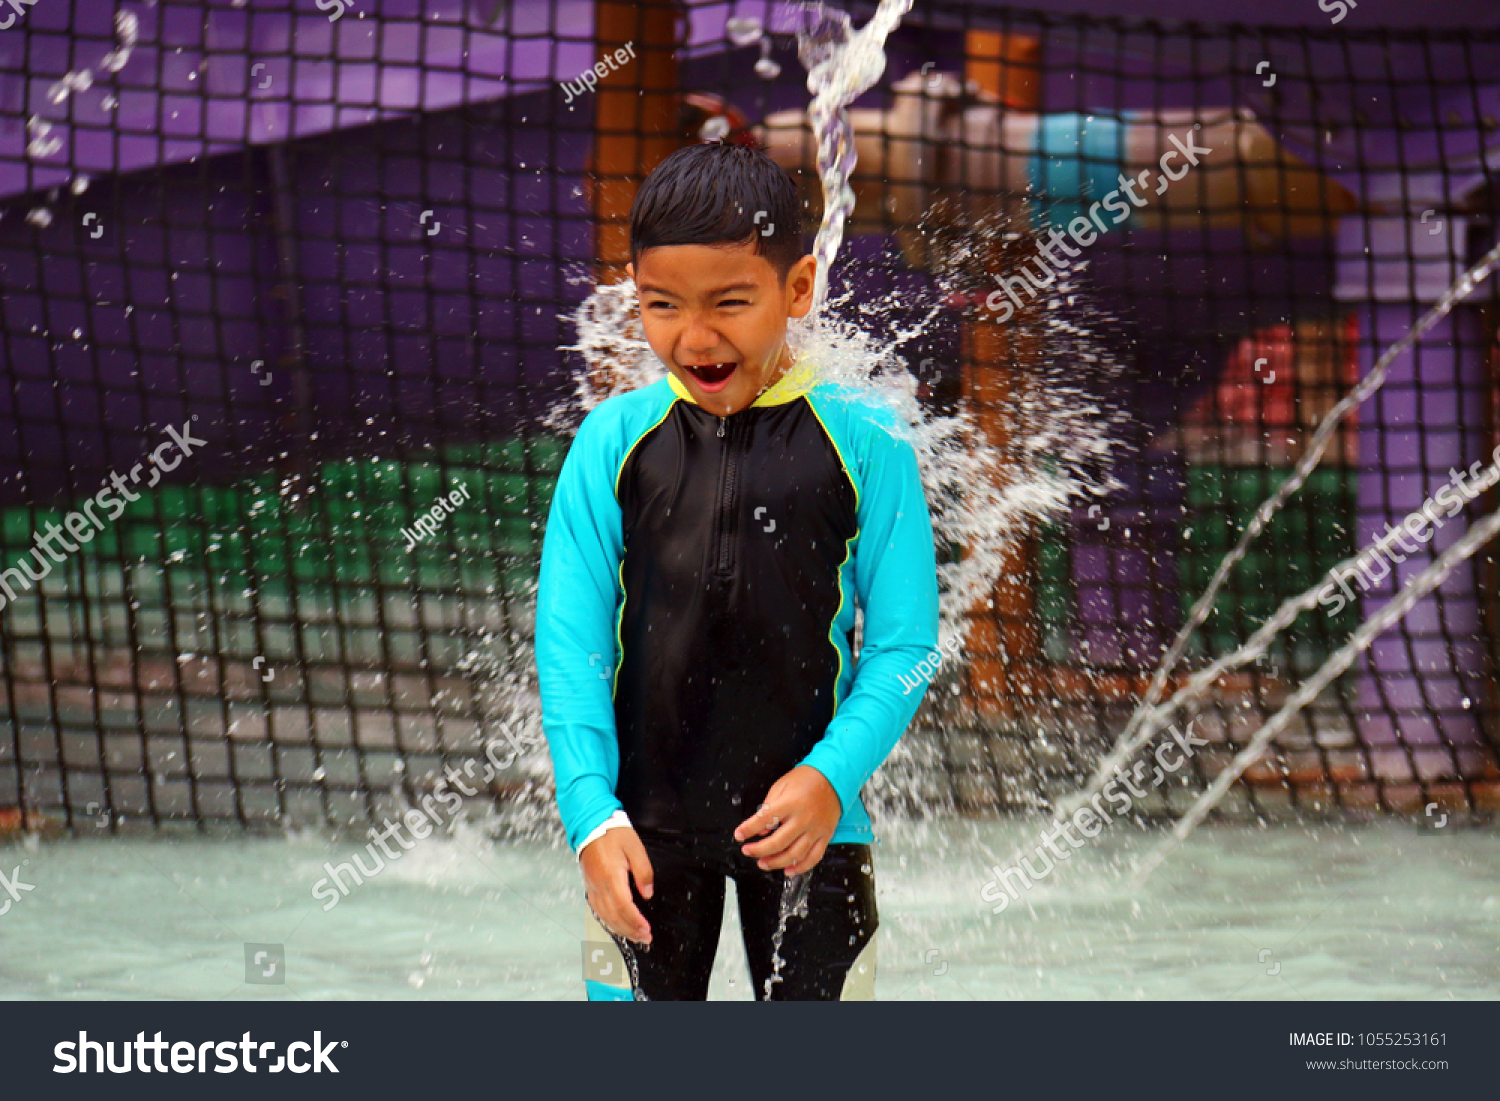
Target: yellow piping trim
(854, 485)
(629, 451)
(614, 686)
(835, 622)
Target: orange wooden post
(1004, 635)
(635, 118)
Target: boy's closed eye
(727, 304)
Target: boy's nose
(699, 339)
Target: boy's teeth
(712, 372)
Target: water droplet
(744, 31)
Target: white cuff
(618, 818)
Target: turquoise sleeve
(577, 602)
(895, 576)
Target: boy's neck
(783, 365)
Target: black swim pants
(826, 919)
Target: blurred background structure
(343, 245)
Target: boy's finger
(603, 909)
(628, 921)
(810, 861)
(758, 823)
(632, 926)
(778, 842)
(640, 866)
(790, 856)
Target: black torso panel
(727, 673)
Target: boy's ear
(801, 281)
(630, 271)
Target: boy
(695, 612)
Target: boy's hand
(608, 863)
(801, 811)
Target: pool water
(1383, 911)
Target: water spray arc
(1149, 718)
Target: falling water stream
(793, 904)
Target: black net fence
(276, 278)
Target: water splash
(628, 951)
(1151, 716)
(43, 142)
(982, 498)
(793, 904)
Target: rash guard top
(695, 608)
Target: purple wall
(410, 339)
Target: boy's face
(717, 314)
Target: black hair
(716, 193)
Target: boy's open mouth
(711, 376)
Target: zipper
(728, 486)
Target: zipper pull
(721, 427)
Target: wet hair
(710, 194)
